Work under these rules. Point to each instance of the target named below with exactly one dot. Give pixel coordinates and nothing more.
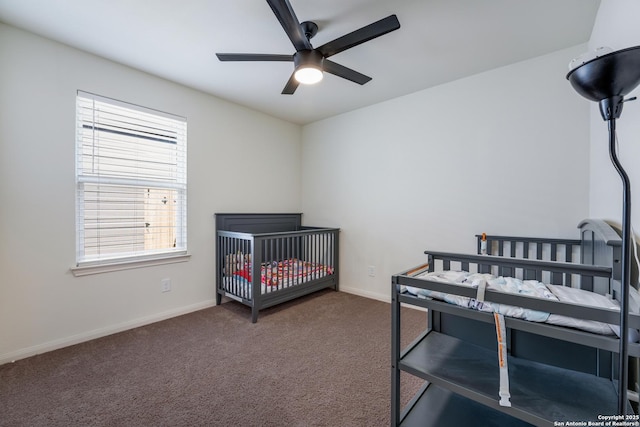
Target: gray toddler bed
(267, 259)
(557, 372)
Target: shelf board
(438, 407)
(540, 394)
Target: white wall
(503, 152)
(42, 306)
(616, 26)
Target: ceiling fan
(309, 62)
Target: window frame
(170, 181)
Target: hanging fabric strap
(481, 288)
(502, 360)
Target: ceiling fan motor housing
(308, 58)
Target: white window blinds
(131, 175)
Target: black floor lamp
(606, 80)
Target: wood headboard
(258, 222)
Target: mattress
(275, 275)
(523, 287)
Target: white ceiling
(439, 41)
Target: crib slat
(316, 250)
(316, 271)
(484, 268)
(312, 246)
(586, 283)
(323, 258)
(331, 252)
(556, 278)
(290, 258)
(315, 258)
(502, 271)
(529, 274)
(275, 264)
(237, 248)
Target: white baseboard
(101, 332)
(376, 296)
(366, 294)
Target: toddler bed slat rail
(285, 261)
(567, 250)
(531, 247)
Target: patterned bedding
(522, 287)
(274, 275)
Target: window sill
(85, 270)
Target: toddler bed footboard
(267, 259)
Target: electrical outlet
(371, 271)
(166, 285)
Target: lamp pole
(607, 79)
(623, 298)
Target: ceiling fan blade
(364, 34)
(287, 17)
(344, 72)
(253, 57)
(291, 86)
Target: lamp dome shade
(614, 74)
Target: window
(131, 177)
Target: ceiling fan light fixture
(308, 66)
(308, 75)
